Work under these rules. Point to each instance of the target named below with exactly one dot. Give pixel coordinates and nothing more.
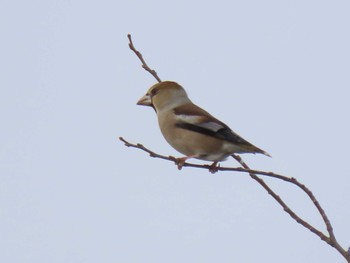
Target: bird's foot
(180, 162)
(214, 167)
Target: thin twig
(144, 64)
(331, 240)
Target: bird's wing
(194, 118)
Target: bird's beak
(145, 100)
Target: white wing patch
(197, 120)
(213, 126)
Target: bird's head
(164, 95)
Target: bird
(191, 130)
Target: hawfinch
(191, 130)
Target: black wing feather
(224, 133)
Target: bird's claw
(180, 162)
(214, 167)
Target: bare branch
(331, 240)
(144, 64)
(204, 166)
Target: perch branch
(331, 240)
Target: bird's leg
(181, 161)
(213, 168)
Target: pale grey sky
(277, 72)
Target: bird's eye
(154, 92)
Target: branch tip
(144, 64)
(124, 141)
